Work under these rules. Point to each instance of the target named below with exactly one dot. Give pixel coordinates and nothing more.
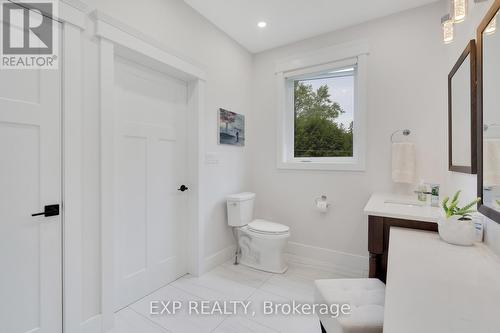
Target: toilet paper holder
(322, 203)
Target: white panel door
(150, 165)
(30, 178)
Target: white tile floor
(231, 283)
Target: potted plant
(457, 225)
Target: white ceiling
(292, 20)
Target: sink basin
(401, 206)
(411, 203)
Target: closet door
(30, 180)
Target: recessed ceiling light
(262, 24)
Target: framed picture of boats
(231, 128)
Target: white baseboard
(345, 264)
(218, 258)
(92, 325)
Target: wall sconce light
(492, 27)
(447, 23)
(459, 10)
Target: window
(322, 111)
(324, 114)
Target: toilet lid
(267, 227)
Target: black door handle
(50, 210)
(183, 188)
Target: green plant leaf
(445, 201)
(453, 209)
(467, 207)
(445, 204)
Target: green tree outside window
(317, 134)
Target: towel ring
(405, 132)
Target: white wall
(228, 67)
(406, 89)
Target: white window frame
(330, 58)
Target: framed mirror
(462, 116)
(488, 53)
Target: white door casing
(150, 164)
(30, 178)
(119, 39)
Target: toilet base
(262, 252)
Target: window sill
(322, 166)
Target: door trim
(72, 16)
(116, 38)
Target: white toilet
(261, 242)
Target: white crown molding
(124, 35)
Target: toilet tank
(240, 209)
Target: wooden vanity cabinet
(378, 240)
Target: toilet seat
(267, 227)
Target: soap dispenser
(435, 195)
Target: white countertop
(389, 205)
(436, 287)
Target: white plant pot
(457, 232)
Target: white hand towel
(403, 162)
(491, 160)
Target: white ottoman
(366, 298)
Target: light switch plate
(212, 158)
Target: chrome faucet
(422, 192)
